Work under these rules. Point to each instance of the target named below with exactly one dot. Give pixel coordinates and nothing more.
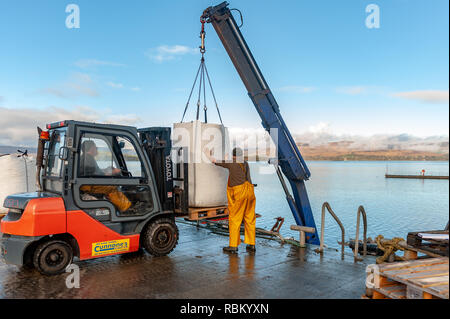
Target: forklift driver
(89, 167)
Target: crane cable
(202, 71)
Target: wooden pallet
(437, 247)
(416, 279)
(205, 213)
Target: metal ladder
(326, 207)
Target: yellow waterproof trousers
(117, 198)
(241, 204)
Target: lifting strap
(202, 71)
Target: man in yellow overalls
(241, 202)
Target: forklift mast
(158, 145)
(289, 158)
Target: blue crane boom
(289, 160)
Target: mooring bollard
(303, 230)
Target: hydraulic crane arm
(290, 160)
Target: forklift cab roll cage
(69, 181)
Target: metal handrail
(322, 226)
(362, 211)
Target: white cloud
(321, 127)
(297, 89)
(18, 125)
(136, 89)
(115, 85)
(78, 84)
(351, 90)
(427, 96)
(167, 52)
(87, 63)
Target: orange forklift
(102, 190)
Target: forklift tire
(160, 236)
(52, 257)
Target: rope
(389, 247)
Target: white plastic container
(13, 176)
(207, 182)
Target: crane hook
(202, 36)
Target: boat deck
(198, 268)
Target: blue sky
(134, 62)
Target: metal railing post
(362, 211)
(322, 227)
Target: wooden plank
(399, 294)
(413, 270)
(378, 295)
(429, 282)
(394, 292)
(382, 281)
(410, 255)
(209, 212)
(439, 291)
(206, 210)
(397, 287)
(416, 292)
(426, 252)
(394, 274)
(414, 238)
(426, 274)
(201, 209)
(442, 294)
(427, 295)
(413, 263)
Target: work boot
(251, 248)
(230, 249)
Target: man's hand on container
(208, 154)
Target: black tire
(52, 257)
(160, 236)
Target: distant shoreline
(367, 160)
(323, 153)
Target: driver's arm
(112, 171)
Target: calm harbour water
(394, 207)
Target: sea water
(394, 207)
